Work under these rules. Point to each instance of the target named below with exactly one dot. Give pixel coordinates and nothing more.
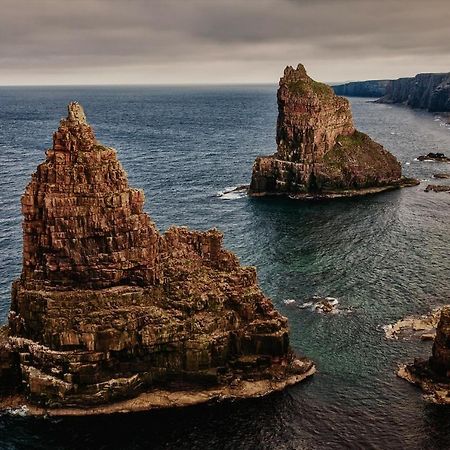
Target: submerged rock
(110, 315)
(320, 154)
(433, 375)
(437, 188)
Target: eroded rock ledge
(110, 315)
(320, 154)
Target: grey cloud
(56, 38)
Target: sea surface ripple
(382, 257)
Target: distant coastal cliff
(430, 91)
(370, 88)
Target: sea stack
(433, 375)
(320, 154)
(109, 315)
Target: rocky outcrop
(437, 188)
(369, 88)
(319, 152)
(438, 157)
(433, 375)
(429, 91)
(109, 309)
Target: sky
(58, 42)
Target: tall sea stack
(319, 152)
(110, 315)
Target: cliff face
(369, 88)
(429, 91)
(319, 152)
(107, 307)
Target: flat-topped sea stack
(109, 315)
(320, 154)
(433, 375)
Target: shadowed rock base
(324, 195)
(164, 399)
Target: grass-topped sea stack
(110, 315)
(320, 154)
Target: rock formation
(438, 157)
(369, 88)
(319, 152)
(429, 91)
(437, 188)
(433, 375)
(107, 309)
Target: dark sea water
(382, 257)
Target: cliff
(319, 152)
(429, 91)
(369, 88)
(110, 315)
(433, 375)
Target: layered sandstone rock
(433, 375)
(319, 152)
(107, 308)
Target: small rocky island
(433, 375)
(109, 315)
(320, 154)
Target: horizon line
(206, 84)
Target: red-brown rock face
(107, 307)
(310, 118)
(83, 224)
(318, 148)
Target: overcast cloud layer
(219, 41)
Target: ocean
(382, 257)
